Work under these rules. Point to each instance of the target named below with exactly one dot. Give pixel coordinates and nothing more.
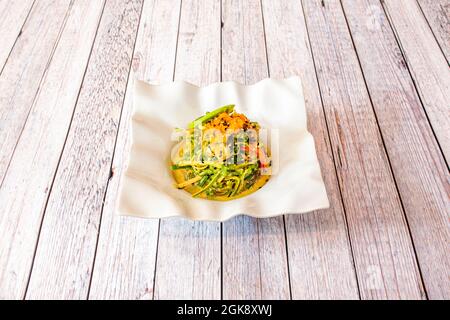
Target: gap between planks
(357, 142)
(14, 31)
(255, 264)
(427, 66)
(76, 231)
(31, 170)
(23, 106)
(382, 139)
(127, 247)
(64, 144)
(433, 12)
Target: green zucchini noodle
(220, 156)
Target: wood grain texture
(383, 253)
(188, 261)
(254, 259)
(27, 64)
(437, 13)
(12, 17)
(125, 261)
(427, 64)
(26, 185)
(417, 163)
(254, 250)
(320, 258)
(379, 117)
(67, 244)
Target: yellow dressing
(179, 175)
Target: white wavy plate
(147, 189)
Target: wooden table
(377, 85)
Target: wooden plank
(320, 258)
(437, 13)
(12, 18)
(26, 185)
(254, 259)
(417, 163)
(427, 64)
(188, 261)
(125, 261)
(383, 253)
(254, 250)
(65, 253)
(21, 76)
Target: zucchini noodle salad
(220, 156)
